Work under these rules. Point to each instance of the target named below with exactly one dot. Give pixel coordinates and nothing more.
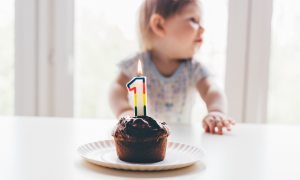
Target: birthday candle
(138, 85)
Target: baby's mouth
(199, 40)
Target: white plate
(104, 153)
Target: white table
(45, 148)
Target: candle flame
(140, 70)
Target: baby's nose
(201, 29)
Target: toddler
(170, 34)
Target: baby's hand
(217, 120)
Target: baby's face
(184, 32)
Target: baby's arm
(215, 100)
(118, 97)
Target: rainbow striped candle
(138, 85)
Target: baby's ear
(157, 25)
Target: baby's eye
(194, 20)
(195, 23)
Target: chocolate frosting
(140, 128)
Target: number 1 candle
(138, 85)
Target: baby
(171, 33)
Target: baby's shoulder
(193, 65)
(197, 70)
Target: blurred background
(58, 57)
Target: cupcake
(140, 139)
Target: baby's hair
(165, 8)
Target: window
(104, 37)
(284, 99)
(7, 57)
(104, 34)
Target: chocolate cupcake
(140, 139)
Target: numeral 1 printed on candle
(138, 86)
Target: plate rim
(139, 166)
